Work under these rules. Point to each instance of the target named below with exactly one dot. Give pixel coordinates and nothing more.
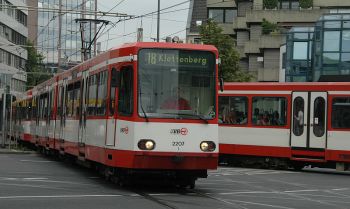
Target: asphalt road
(34, 182)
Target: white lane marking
(34, 178)
(22, 179)
(37, 161)
(246, 192)
(302, 190)
(32, 186)
(267, 172)
(340, 189)
(261, 204)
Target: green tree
(212, 34)
(34, 67)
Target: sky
(172, 23)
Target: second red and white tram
(142, 107)
(286, 123)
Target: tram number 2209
(178, 143)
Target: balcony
(271, 41)
(240, 23)
(252, 47)
(332, 3)
(265, 74)
(227, 28)
(265, 42)
(284, 16)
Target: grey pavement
(34, 181)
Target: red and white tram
(110, 111)
(286, 123)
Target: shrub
(305, 3)
(268, 27)
(270, 4)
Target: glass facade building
(332, 46)
(48, 42)
(298, 57)
(322, 50)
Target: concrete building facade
(258, 47)
(13, 55)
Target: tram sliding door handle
(305, 125)
(311, 124)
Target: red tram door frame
(311, 134)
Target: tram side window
(233, 110)
(125, 98)
(102, 93)
(73, 99)
(29, 110)
(34, 108)
(76, 103)
(52, 100)
(70, 100)
(43, 106)
(341, 112)
(91, 101)
(59, 99)
(319, 116)
(269, 111)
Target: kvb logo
(177, 131)
(184, 131)
(124, 130)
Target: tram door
(309, 112)
(82, 105)
(111, 121)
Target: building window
(341, 112)
(230, 14)
(197, 40)
(330, 58)
(300, 50)
(331, 41)
(217, 15)
(346, 40)
(233, 110)
(289, 4)
(222, 15)
(269, 111)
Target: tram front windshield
(178, 84)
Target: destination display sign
(176, 58)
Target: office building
(259, 27)
(55, 32)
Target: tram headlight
(146, 144)
(207, 146)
